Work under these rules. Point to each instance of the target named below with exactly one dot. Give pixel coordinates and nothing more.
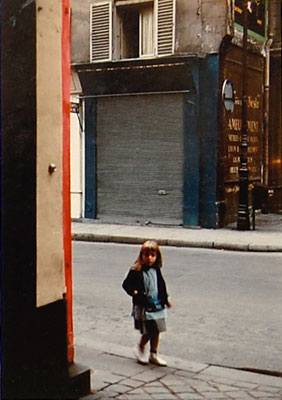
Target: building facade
(160, 104)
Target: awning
(133, 77)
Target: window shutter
(165, 27)
(101, 31)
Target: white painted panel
(76, 167)
(49, 202)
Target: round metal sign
(228, 95)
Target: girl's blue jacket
(135, 281)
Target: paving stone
(109, 394)
(167, 370)
(173, 380)
(154, 384)
(181, 389)
(270, 389)
(239, 395)
(186, 365)
(120, 388)
(190, 396)
(219, 380)
(168, 396)
(119, 365)
(106, 377)
(225, 388)
(149, 375)
(132, 383)
(142, 396)
(136, 391)
(185, 374)
(214, 395)
(246, 385)
(156, 389)
(273, 398)
(260, 395)
(204, 387)
(98, 383)
(110, 378)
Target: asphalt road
(227, 307)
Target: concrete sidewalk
(267, 236)
(116, 375)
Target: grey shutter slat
(140, 158)
(165, 27)
(100, 43)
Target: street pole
(243, 222)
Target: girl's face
(149, 257)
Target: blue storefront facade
(196, 79)
(161, 147)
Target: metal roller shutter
(140, 158)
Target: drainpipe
(266, 52)
(243, 222)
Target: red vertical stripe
(66, 170)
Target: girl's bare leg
(155, 339)
(154, 358)
(144, 340)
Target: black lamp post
(243, 221)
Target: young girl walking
(147, 287)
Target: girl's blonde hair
(148, 245)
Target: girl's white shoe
(140, 355)
(155, 359)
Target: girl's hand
(169, 304)
(135, 292)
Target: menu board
(232, 125)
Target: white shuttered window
(165, 26)
(101, 31)
(154, 33)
